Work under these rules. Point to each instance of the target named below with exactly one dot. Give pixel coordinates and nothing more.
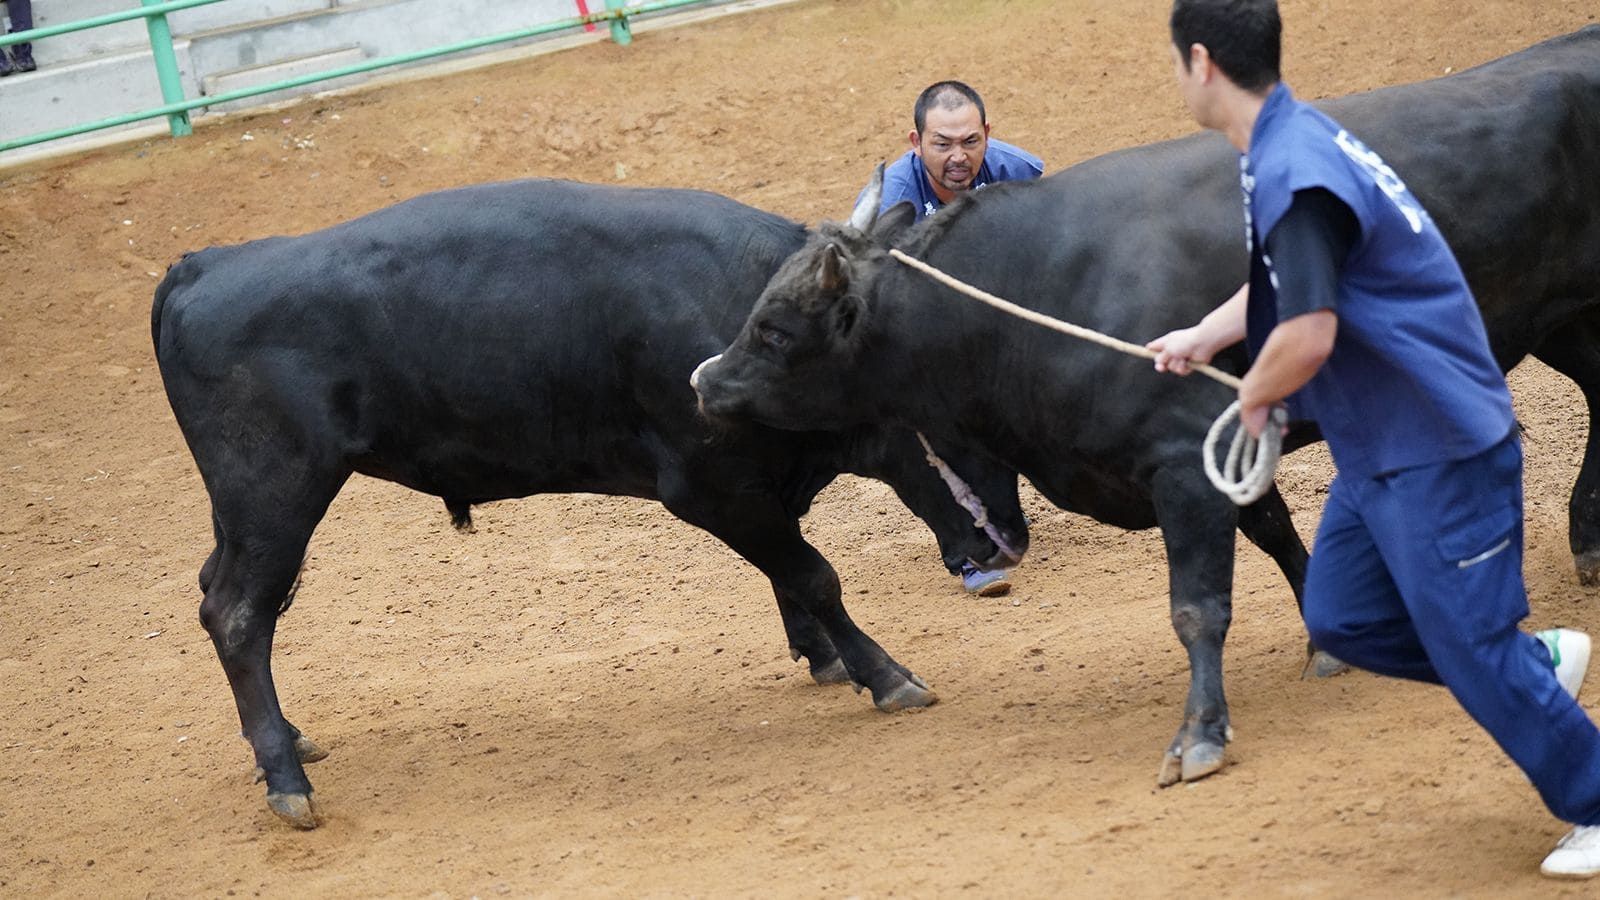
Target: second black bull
(1140, 242)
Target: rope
(968, 499)
(1243, 485)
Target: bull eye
(776, 338)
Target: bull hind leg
(1197, 525)
(304, 747)
(252, 582)
(807, 589)
(1574, 351)
(1266, 523)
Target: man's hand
(1254, 419)
(1179, 351)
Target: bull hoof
(1192, 764)
(1588, 566)
(1201, 760)
(298, 810)
(1171, 770)
(832, 673)
(307, 751)
(1324, 665)
(910, 694)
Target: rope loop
(1246, 474)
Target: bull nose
(694, 377)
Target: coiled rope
(1244, 475)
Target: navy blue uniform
(907, 179)
(1417, 568)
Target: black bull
(1142, 241)
(451, 345)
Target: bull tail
(288, 599)
(460, 514)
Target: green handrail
(167, 68)
(620, 32)
(178, 108)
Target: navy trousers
(1418, 574)
(20, 12)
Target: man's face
(952, 145)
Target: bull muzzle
(694, 377)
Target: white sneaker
(1576, 856)
(1569, 653)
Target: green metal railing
(176, 108)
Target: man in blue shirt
(1358, 317)
(951, 152)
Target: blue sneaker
(984, 584)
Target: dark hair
(946, 95)
(1244, 37)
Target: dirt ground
(590, 697)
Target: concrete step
(239, 12)
(378, 27)
(85, 91)
(252, 76)
(79, 45)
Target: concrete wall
(91, 75)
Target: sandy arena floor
(589, 697)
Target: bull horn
(866, 211)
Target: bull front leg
(1583, 509)
(757, 527)
(808, 639)
(1574, 351)
(1197, 525)
(800, 572)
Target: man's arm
(1294, 352)
(1308, 248)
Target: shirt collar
(1277, 106)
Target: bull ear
(847, 314)
(832, 277)
(898, 218)
(866, 211)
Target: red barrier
(583, 10)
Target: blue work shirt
(907, 178)
(1411, 380)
